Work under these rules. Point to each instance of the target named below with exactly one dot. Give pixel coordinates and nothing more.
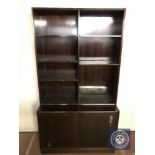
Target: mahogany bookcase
(78, 57)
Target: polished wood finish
(58, 92)
(59, 46)
(78, 56)
(93, 129)
(76, 129)
(57, 58)
(108, 48)
(62, 22)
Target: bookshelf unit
(78, 57)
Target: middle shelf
(58, 72)
(97, 61)
(58, 58)
(73, 59)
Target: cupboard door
(56, 130)
(93, 129)
(44, 129)
(62, 131)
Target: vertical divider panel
(78, 51)
(45, 67)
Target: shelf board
(109, 63)
(75, 36)
(105, 98)
(47, 35)
(57, 58)
(98, 90)
(59, 99)
(95, 58)
(97, 61)
(58, 80)
(101, 36)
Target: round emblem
(119, 139)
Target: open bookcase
(78, 54)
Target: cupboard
(78, 57)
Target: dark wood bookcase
(78, 55)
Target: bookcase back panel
(57, 75)
(58, 92)
(97, 99)
(63, 66)
(101, 22)
(57, 46)
(98, 84)
(97, 75)
(57, 71)
(52, 22)
(107, 48)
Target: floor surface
(29, 145)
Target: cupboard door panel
(44, 129)
(79, 129)
(93, 129)
(56, 130)
(62, 131)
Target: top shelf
(47, 35)
(57, 58)
(66, 23)
(101, 36)
(82, 36)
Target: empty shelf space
(57, 46)
(100, 49)
(107, 23)
(106, 98)
(62, 22)
(49, 99)
(57, 58)
(57, 89)
(57, 75)
(93, 90)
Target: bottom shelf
(83, 99)
(76, 107)
(106, 98)
(50, 99)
